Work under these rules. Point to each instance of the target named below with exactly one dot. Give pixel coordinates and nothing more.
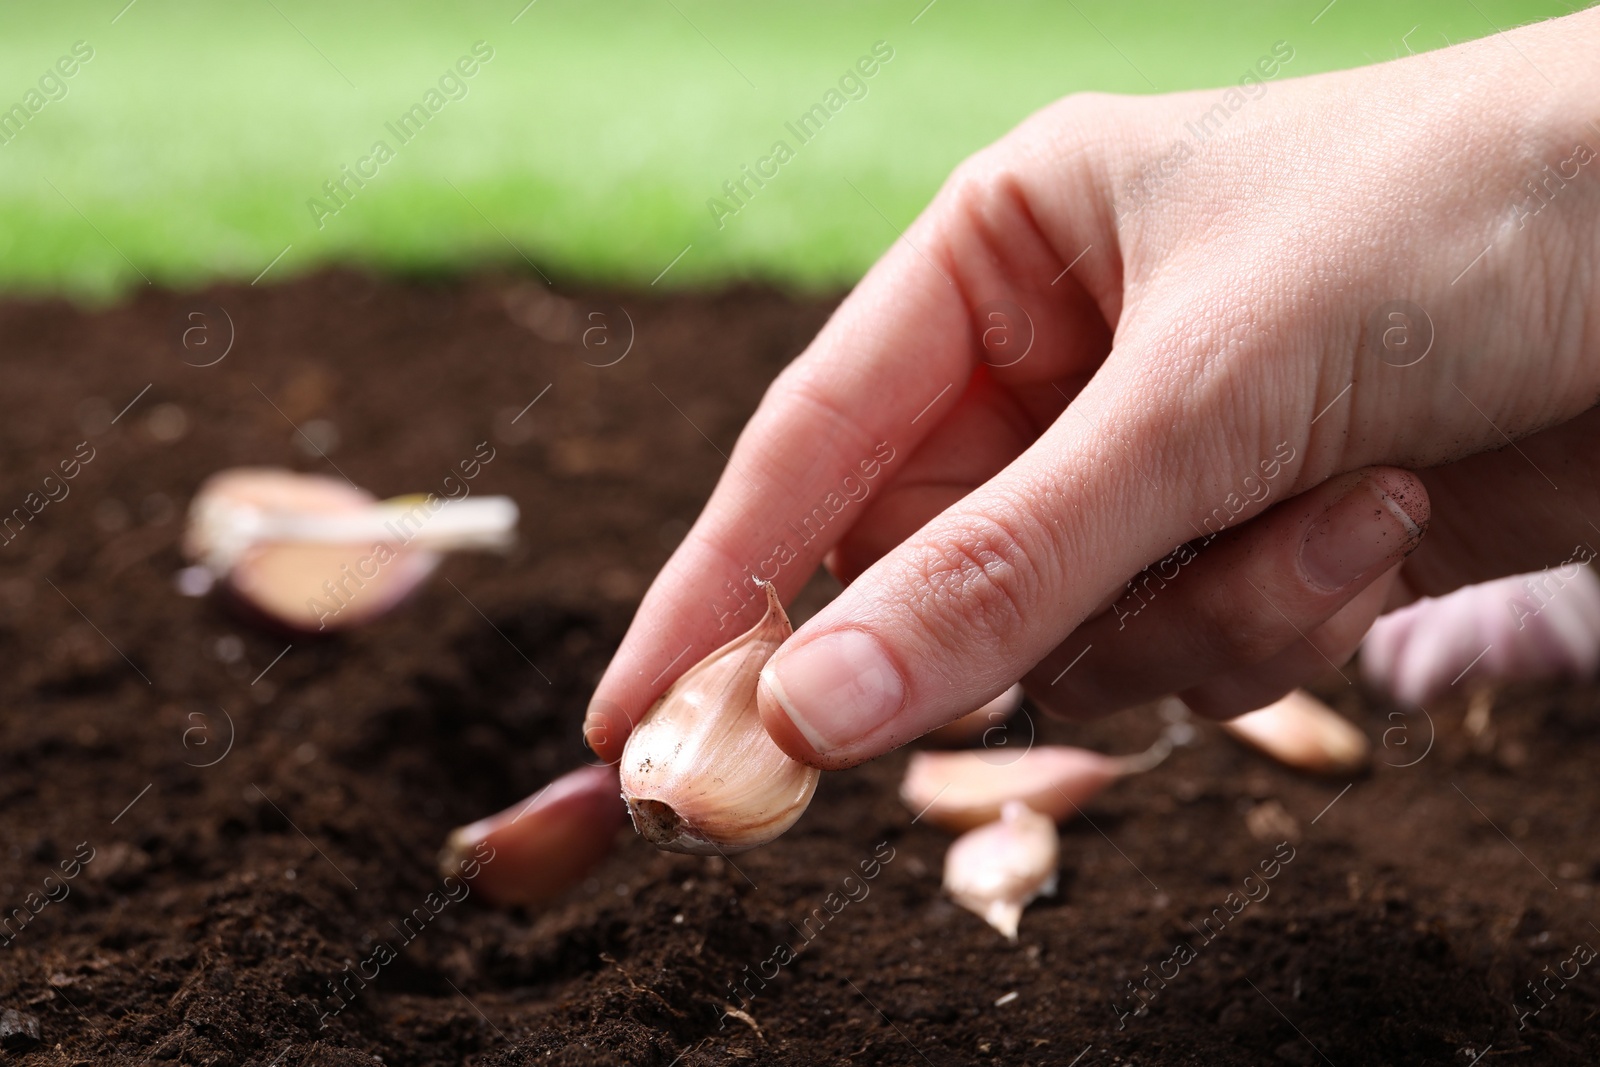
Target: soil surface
(262, 811)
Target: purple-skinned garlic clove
(1528, 627)
(975, 727)
(537, 849)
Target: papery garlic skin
(1302, 732)
(995, 870)
(959, 790)
(312, 553)
(699, 772)
(230, 509)
(241, 529)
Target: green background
(187, 148)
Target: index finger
(860, 399)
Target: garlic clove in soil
(312, 553)
(1523, 628)
(226, 512)
(995, 870)
(959, 790)
(537, 849)
(973, 727)
(1302, 732)
(699, 772)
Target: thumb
(978, 596)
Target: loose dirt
(262, 810)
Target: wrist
(1553, 200)
(1517, 267)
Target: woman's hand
(1209, 334)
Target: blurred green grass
(187, 149)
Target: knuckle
(1074, 115)
(1086, 126)
(980, 182)
(820, 394)
(971, 176)
(982, 575)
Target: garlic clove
(235, 532)
(226, 513)
(321, 588)
(972, 728)
(1522, 628)
(959, 790)
(995, 870)
(699, 772)
(1302, 732)
(313, 553)
(537, 849)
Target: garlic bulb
(959, 790)
(699, 772)
(1304, 733)
(997, 869)
(538, 848)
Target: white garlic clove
(538, 848)
(959, 790)
(699, 772)
(973, 727)
(995, 870)
(1302, 732)
(313, 553)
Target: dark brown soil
(222, 905)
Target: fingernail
(836, 689)
(1364, 529)
(595, 733)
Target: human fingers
(1324, 649)
(989, 588)
(988, 428)
(1241, 606)
(1512, 511)
(852, 406)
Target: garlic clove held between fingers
(699, 772)
(997, 869)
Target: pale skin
(1232, 316)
